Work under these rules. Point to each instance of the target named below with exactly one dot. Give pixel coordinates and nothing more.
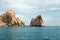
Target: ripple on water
(29, 33)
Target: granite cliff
(38, 21)
(9, 19)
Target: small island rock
(38, 21)
(9, 19)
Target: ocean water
(30, 33)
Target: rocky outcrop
(38, 21)
(9, 19)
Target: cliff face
(38, 21)
(9, 19)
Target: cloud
(22, 4)
(51, 2)
(53, 8)
(30, 5)
(25, 6)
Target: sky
(28, 9)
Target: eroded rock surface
(38, 21)
(9, 19)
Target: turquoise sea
(30, 33)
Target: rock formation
(38, 21)
(9, 19)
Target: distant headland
(9, 19)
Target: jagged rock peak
(38, 21)
(9, 19)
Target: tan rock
(38, 21)
(9, 19)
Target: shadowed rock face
(38, 21)
(9, 19)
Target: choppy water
(30, 33)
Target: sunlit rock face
(38, 21)
(9, 19)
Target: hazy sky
(27, 9)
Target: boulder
(38, 21)
(9, 19)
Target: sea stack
(9, 19)
(38, 21)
